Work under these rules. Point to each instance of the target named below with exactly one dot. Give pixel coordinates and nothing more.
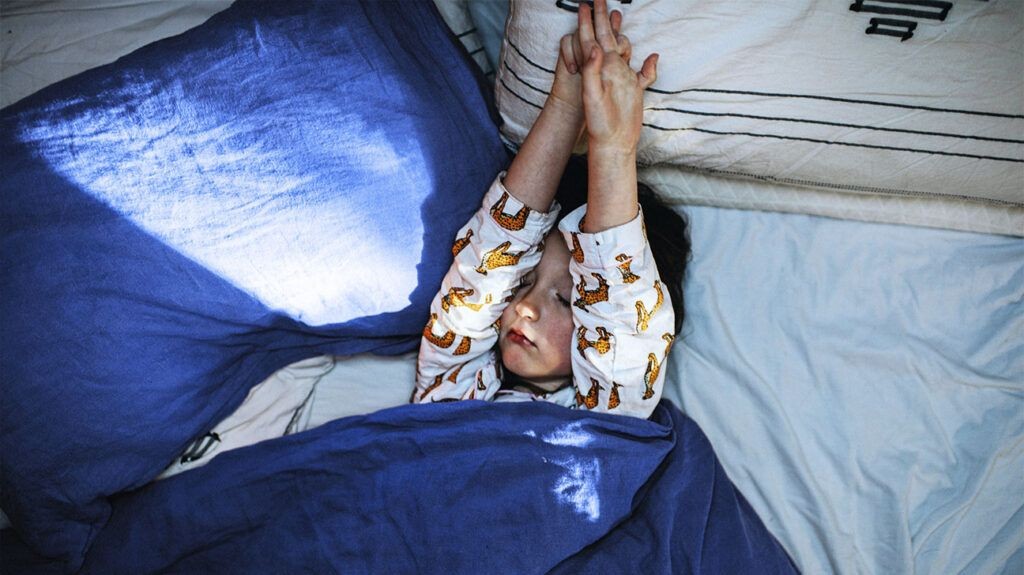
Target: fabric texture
(281, 182)
(819, 96)
(863, 386)
(463, 487)
(622, 317)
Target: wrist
(563, 110)
(605, 153)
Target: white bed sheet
(863, 385)
(44, 41)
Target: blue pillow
(280, 182)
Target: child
(580, 317)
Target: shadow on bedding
(281, 182)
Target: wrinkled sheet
(280, 182)
(863, 385)
(466, 487)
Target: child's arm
(613, 99)
(623, 315)
(456, 360)
(493, 251)
(536, 170)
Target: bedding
(465, 487)
(824, 97)
(280, 182)
(874, 423)
(863, 386)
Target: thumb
(649, 72)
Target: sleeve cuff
(607, 249)
(513, 216)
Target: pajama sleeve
(493, 251)
(623, 317)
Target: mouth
(516, 336)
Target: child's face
(536, 327)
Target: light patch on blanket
(278, 220)
(578, 486)
(570, 435)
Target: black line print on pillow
(902, 29)
(834, 143)
(522, 81)
(513, 92)
(574, 5)
(836, 99)
(898, 27)
(836, 124)
(926, 9)
(767, 118)
(524, 57)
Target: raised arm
(623, 314)
(613, 97)
(496, 248)
(536, 170)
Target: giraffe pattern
(591, 297)
(499, 257)
(453, 377)
(613, 397)
(602, 344)
(445, 341)
(461, 243)
(643, 317)
(456, 297)
(590, 401)
(651, 375)
(625, 261)
(653, 367)
(464, 346)
(669, 338)
(577, 251)
(512, 223)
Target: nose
(526, 307)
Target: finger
(625, 47)
(577, 51)
(592, 87)
(568, 58)
(616, 19)
(649, 72)
(602, 26)
(586, 27)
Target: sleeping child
(583, 316)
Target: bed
(851, 371)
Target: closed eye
(562, 300)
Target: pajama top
(622, 314)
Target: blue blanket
(281, 182)
(465, 487)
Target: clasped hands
(593, 74)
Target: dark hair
(668, 231)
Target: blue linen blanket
(281, 182)
(465, 487)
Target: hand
(567, 86)
(612, 92)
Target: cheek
(562, 337)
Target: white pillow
(812, 93)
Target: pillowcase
(281, 182)
(894, 101)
